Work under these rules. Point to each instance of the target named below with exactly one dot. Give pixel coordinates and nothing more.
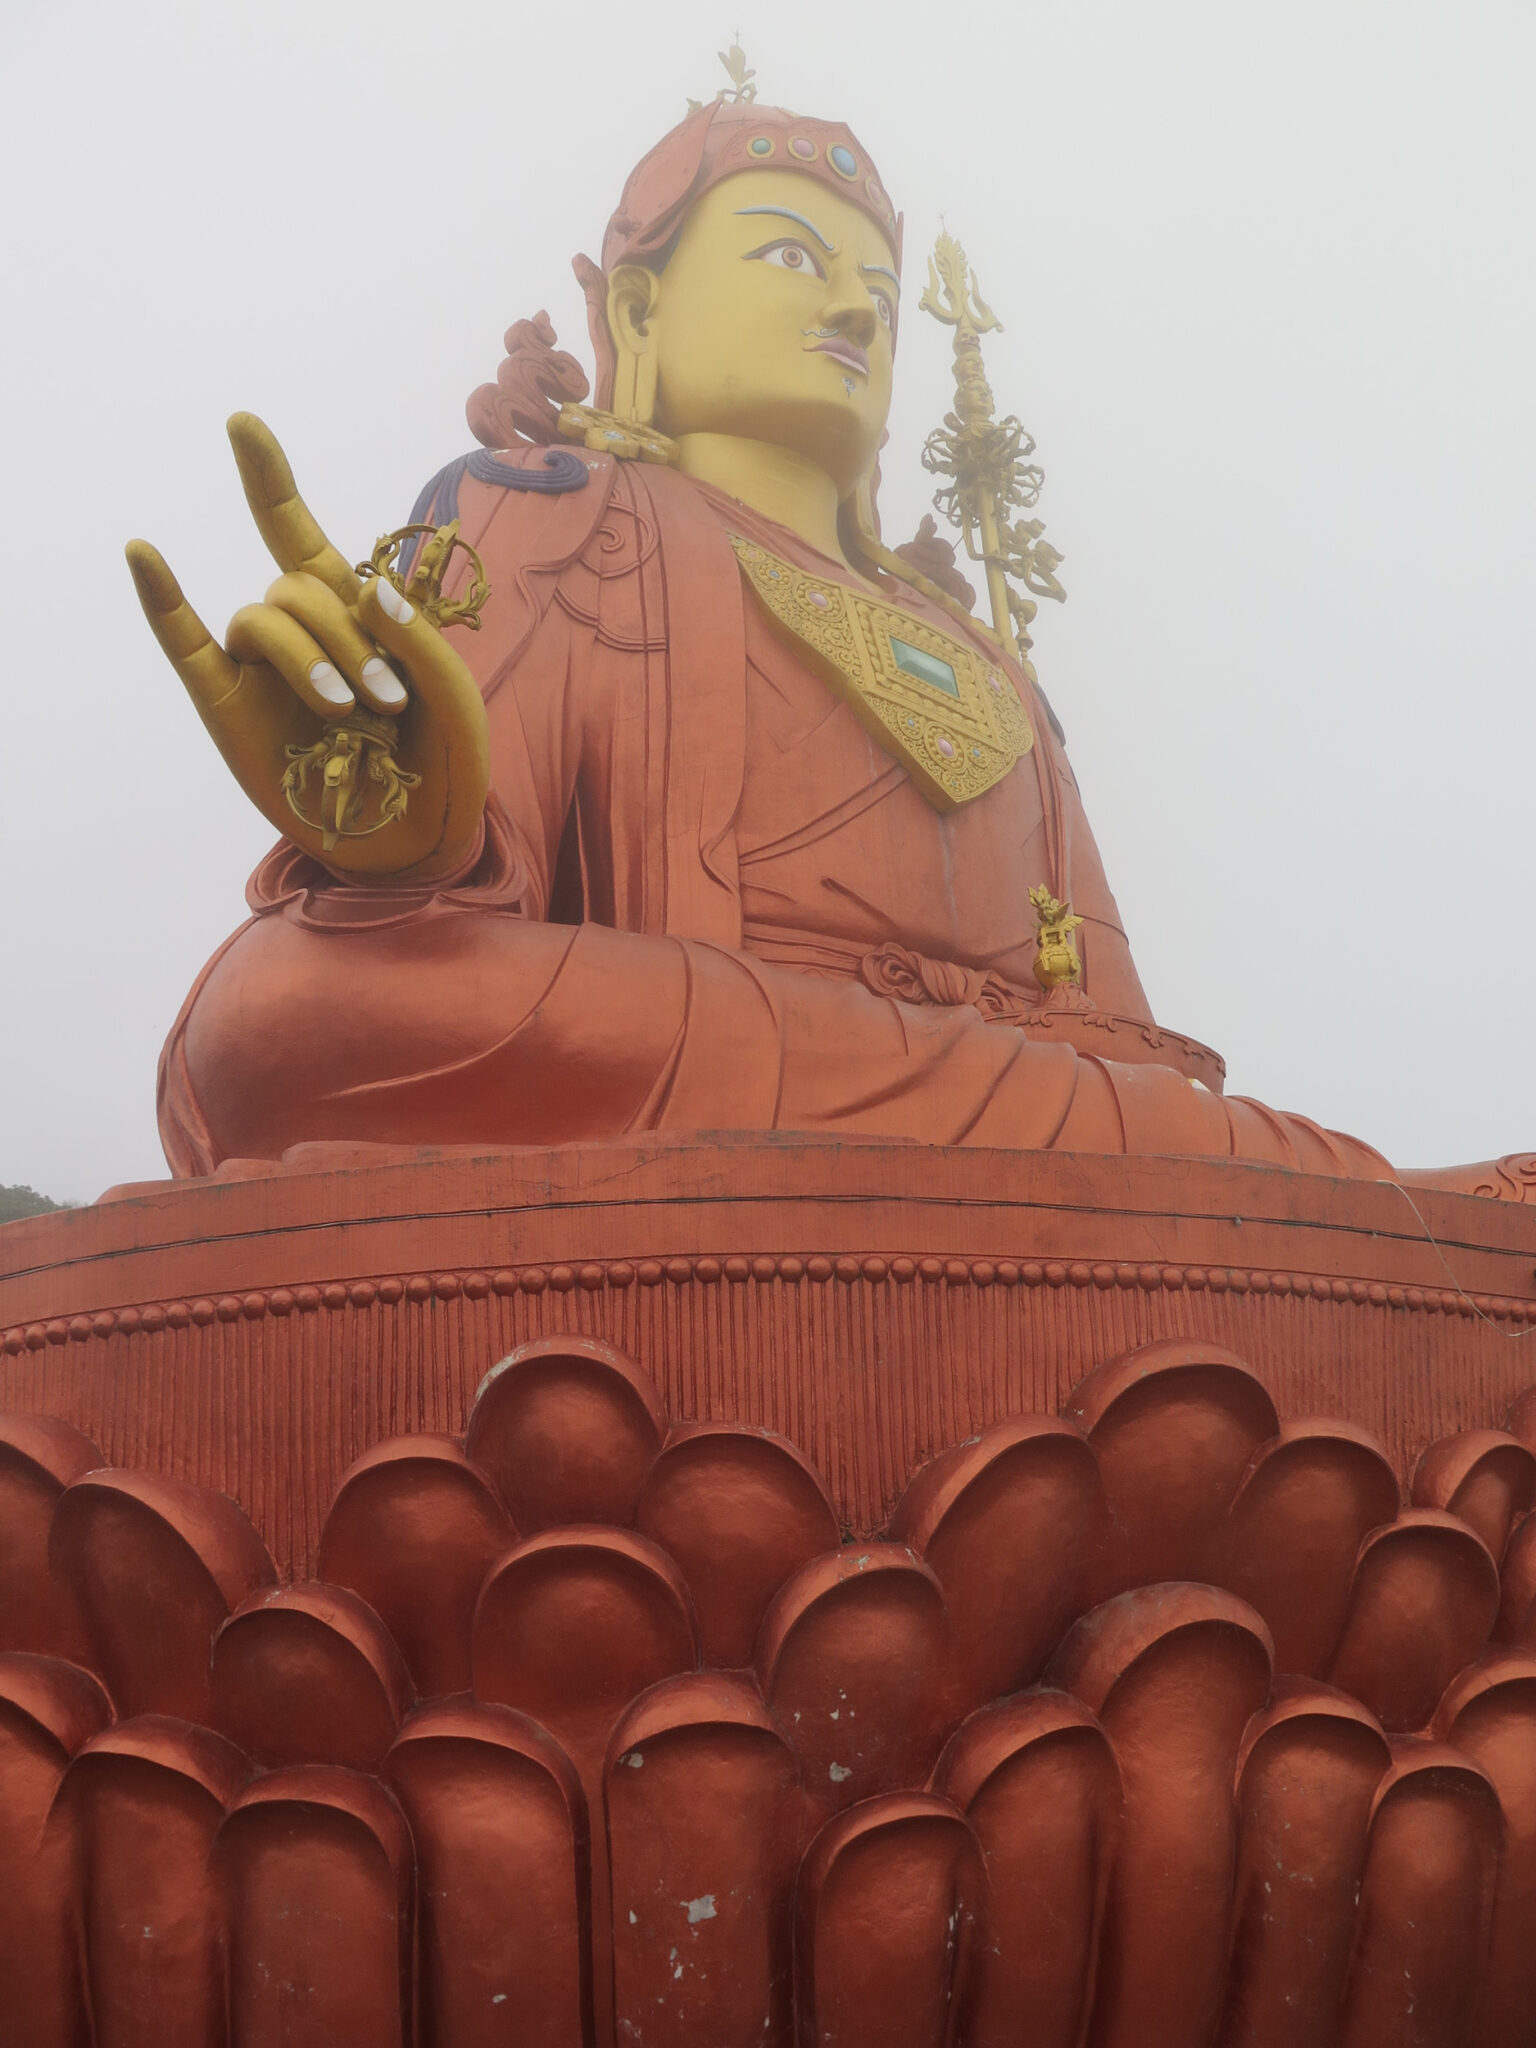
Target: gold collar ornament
(951, 717)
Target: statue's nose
(852, 312)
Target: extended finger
(291, 531)
(206, 670)
(260, 632)
(321, 612)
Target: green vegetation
(22, 1201)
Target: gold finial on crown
(741, 91)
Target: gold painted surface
(1056, 960)
(424, 587)
(361, 786)
(955, 748)
(986, 459)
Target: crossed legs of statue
(476, 1028)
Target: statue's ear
(632, 291)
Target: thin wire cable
(1511, 1336)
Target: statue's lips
(843, 351)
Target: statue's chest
(931, 702)
(832, 834)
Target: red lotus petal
(1307, 1778)
(1307, 1502)
(1009, 1524)
(500, 1832)
(315, 1866)
(47, 1710)
(1425, 1902)
(566, 1430)
(39, 1457)
(1484, 1477)
(1425, 1596)
(413, 1530)
(1037, 1781)
(308, 1674)
(141, 1805)
(851, 1661)
(1173, 1672)
(885, 1924)
(157, 1566)
(1173, 1426)
(1489, 1714)
(740, 1511)
(704, 1820)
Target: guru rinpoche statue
(715, 813)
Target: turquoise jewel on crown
(928, 668)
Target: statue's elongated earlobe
(632, 292)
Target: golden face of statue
(774, 319)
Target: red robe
(696, 861)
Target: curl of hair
(535, 379)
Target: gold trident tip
(952, 294)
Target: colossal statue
(711, 1586)
(728, 817)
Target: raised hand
(322, 643)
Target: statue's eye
(789, 256)
(884, 308)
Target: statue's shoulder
(543, 501)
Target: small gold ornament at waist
(951, 717)
(424, 585)
(360, 787)
(1056, 961)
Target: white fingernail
(392, 604)
(383, 682)
(327, 683)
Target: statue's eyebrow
(786, 213)
(880, 270)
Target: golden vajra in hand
(337, 701)
(362, 787)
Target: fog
(1269, 311)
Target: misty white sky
(1267, 278)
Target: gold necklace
(950, 716)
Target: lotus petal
(740, 1510)
(1517, 1585)
(1173, 1425)
(413, 1530)
(885, 1924)
(500, 1831)
(1306, 1504)
(1010, 1524)
(141, 1805)
(39, 1457)
(308, 1674)
(566, 1429)
(157, 1566)
(1037, 1780)
(315, 1867)
(704, 1833)
(47, 1710)
(573, 1625)
(851, 1661)
(1425, 1597)
(1484, 1477)
(1425, 1904)
(1307, 1779)
(1173, 1673)
(1489, 1714)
